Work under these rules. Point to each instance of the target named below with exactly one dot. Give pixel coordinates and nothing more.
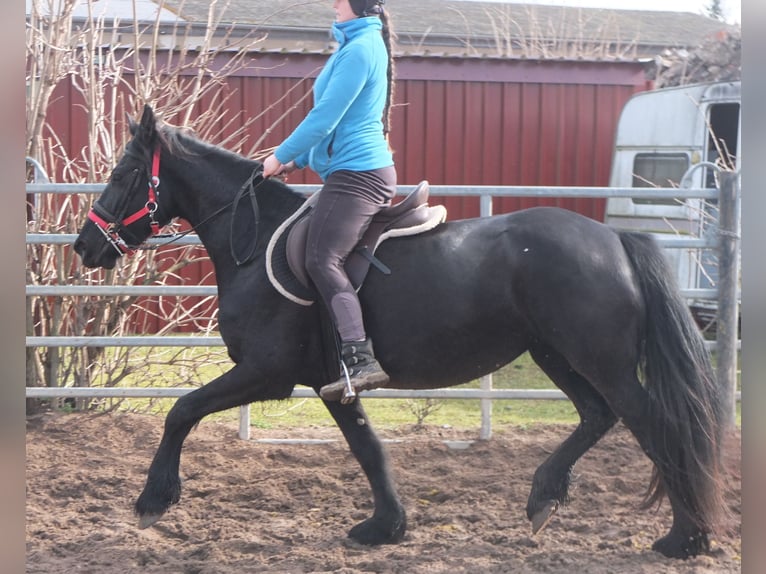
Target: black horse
(597, 309)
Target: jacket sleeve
(302, 160)
(347, 78)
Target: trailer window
(659, 170)
(723, 123)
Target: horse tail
(686, 419)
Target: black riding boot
(364, 373)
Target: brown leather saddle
(285, 254)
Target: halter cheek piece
(111, 225)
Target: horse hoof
(146, 520)
(543, 516)
(377, 531)
(683, 547)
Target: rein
(111, 225)
(248, 188)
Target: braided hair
(363, 8)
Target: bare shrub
(422, 409)
(520, 31)
(112, 79)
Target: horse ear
(147, 126)
(132, 125)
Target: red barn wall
(456, 121)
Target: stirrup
(349, 395)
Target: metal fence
(727, 244)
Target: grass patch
(183, 368)
(172, 367)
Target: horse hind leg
(655, 435)
(388, 523)
(676, 413)
(550, 485)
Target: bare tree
(521, 32)
(114, 78)
(714, 10)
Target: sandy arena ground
(249, 507)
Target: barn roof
(474, 28)
(423, 27)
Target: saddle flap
(296, 250)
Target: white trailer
(661, 136)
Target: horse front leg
(388, 523)
(237, 386)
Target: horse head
(128, 211)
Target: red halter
(111, 229)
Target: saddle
(285, 253)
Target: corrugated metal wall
(456, 121)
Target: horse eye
(119, 175)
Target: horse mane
(184, 143)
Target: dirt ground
(248, 506)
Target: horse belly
(442, 326)
(452, 356)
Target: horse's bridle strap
(110, 229)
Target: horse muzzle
(94, 249)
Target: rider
(344, 138)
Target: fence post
(485, 433)
(244, 422)
(728, 283)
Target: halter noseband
(110, 225)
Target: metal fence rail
(485, 394)
(303, 393)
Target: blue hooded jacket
(344, 129)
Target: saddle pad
(277, 267)
(294, 284)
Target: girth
(285, 255)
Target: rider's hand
(272, 166)
(288, 167)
